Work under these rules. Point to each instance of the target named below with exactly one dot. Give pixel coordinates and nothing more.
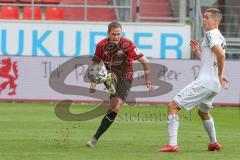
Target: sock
(210, 128)
(106, 122)
(173, 124)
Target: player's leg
(115, 104)
(116, 101)
(187, 98)
(173, 125)
(208, 122)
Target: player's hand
(92, 87)
(149, 85)
(195, 46)
(223, 81)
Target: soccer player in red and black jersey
(118, 54)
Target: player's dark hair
(113, 25)
(216, 13)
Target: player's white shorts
(195, 94)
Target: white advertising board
(165, 41)
(28, 79)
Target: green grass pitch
(31, 131)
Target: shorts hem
(199, 108)
(181, 106)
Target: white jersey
(208, 74)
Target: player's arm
(220, 56)
(95, 60)
(92, 84)
(137, 55)
(195, 48)
(146, 69)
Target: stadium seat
(30, 1)
(8, 1)
(27, 13)
(93, 14)
(153, 9)
(10, 12)
(54, 13)
(51, 1)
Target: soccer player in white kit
(202, 91)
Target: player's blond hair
(216, 13)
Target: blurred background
(38, 36)
(153, 11)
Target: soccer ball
(97, 73)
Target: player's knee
(173, 108)
(203, 115)
(200, 113)
(116, 110)
(116, 104)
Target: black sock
(106, 122)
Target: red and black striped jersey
(117, 58)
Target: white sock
(173, 125)
(210, 128)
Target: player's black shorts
(123, 86)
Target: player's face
(115, 35)
(209, 22)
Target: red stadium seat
(8, 1)
(54, 13)
(10, 12)
(30, 1)
(27, 13)
(51, 1)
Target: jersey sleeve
(98, 54)
(213, 39)
(133, 51)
